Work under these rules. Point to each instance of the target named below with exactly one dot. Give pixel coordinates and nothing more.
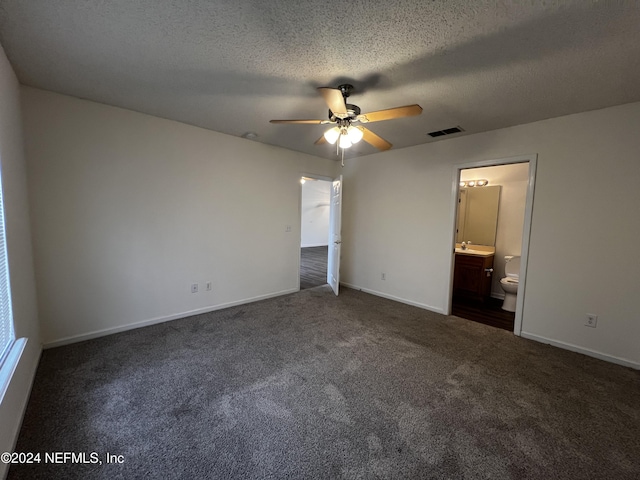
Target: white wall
(316, 195)
(23, 293)
(398, 211)
(129, 210)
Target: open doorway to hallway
(490, 229)
(314, 235)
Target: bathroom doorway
(492, 210)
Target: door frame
(315, 176)
(532, 159)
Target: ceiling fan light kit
(354, 134)
(332, 135)
(344, 141)
(343, 114)
(347, 136)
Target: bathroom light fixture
(474, 183)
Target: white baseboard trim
(499, 296)
(314, 245)
(582, 350)
(397, 299)
(153, 321)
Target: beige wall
(398, 219)
(129, 210)
(23, 293)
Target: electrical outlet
(591, 321)
(194, 288)
(287, 228)
(383, 276)
(209, 286)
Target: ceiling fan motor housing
(352, 112)
(346, 89)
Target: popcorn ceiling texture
(231, 66)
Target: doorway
(496, 231)
(314, 231)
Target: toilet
(510, 282)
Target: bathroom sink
(471, 251)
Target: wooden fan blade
(373, 139)
(306, 122)
(391, 113)
(320, 141)
(334, 99)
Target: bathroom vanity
(472, 274)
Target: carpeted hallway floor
(313, 386)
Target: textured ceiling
(232, 65)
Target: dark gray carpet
(313, 386)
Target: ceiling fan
(344, 115)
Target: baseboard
(499, 296)
(314, 245)
(153, 321)
(397, 299)
(582, 350)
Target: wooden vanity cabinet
(472, 276)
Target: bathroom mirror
(478, 215)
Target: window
(6, 317)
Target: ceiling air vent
(446, 131)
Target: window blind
(6, 317)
